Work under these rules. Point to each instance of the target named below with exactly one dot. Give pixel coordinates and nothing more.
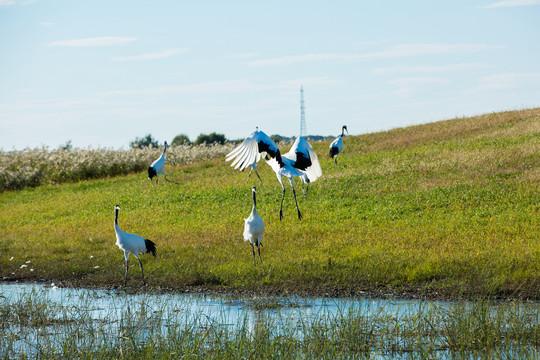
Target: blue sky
(100, 73)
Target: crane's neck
(254, 210)
(116, 217)
(342, 132)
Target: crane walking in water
(254, 228)
(158, 166)
(130, 243)
(337, 145)
(300, 161)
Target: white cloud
(409, 85)
(7, 3)
(213, 87)
(374, 42)
(396, 51)
(509, 81)
(430, 68)
(4, 3)
(425, 49)
(307, 81)
(151, 56)
(295, 59)
(95, 41)
(200, 88)
(244, 55)
(417, 81)
(52, 104)
(511, 3)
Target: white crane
(158, 166)
(253, 165)
(130, 243)
(300, 161)
(337, 145)
(254, 228)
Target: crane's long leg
(296, 202)
(127, 268)
(256, 173)
(281, 207)
(253, 250)
(259, 251)
(142, 272)
(306, 190)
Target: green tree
(210, 139)
(67, 146)
(144, 142)
(181, 139)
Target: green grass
(443, 209)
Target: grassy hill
(444, 209)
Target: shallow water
(51, 321)
(225, 309)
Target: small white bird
(130, 243)
(300, 161)
(254, 228)
(158, 166)
(337, 145)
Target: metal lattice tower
(303, 131)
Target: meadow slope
(447, 209)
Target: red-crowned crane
(130, 243)
(300, 161)
(158, 166)
(254, 228)
(337, 145)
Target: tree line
(181, 139)
(212, 138)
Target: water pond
(227, 310)
(49, 321)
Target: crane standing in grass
(158, 166)
(254, 228)
(337, 145)
(300, 161)
(130, 243)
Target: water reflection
(111, 316)
(203, 309)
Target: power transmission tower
(303, 131)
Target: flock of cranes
(301, 161)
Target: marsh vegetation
(63, 323)
(44, 166)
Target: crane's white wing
(251, 149)
(303, 158)
(337, 143)
(159, 165)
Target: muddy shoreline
(379, 292)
